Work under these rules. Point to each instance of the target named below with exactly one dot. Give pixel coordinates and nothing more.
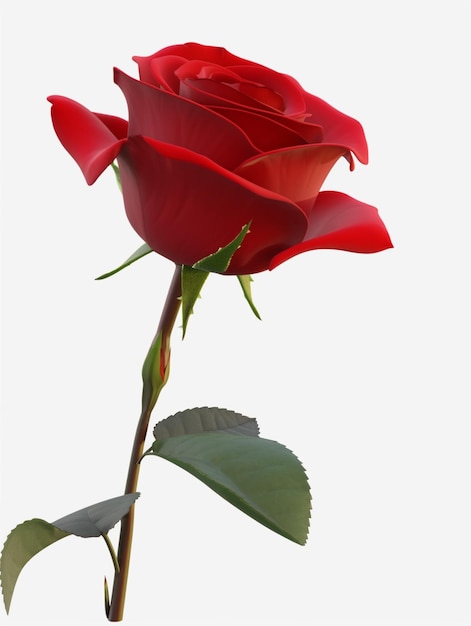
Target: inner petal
(296, 173)
(199, 81)
(262, 94)
(285, 88)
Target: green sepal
(260, 477)
(138, 254)
(154, 375)
(118, 176)
(219, 261)
(24, 542)
(192, 283)
(245, 282)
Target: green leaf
(205, 419)
(32, 536)
(219, 261)
(97, 519)
(138, 254)
(24, 542)
(245, 282)
(192, 283)
(262, 478)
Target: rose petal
(172, 119)
(117, 125)
(282, 84)
(88, 137)
(198, 69)
(185, 207)
(209, 92)
(162, 72)
(265, 133)
(212, 54)
(309, 133)
(342, 223)
(189, 51)
(296, 173)
(338, 127)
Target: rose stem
(167, 321)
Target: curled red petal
(340, 222)
(282, 84)
(185, 207)
(296, 173)
(338, 128)
(88, 137)
(117, 125)
(168, 117)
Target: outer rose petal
(117, 125)
(342, 223)
(338, 127)
(185, 207)
(88, 137)
(170, 118)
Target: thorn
(107, 599)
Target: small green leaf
(24, 542)
(97, 519)
(192, 283)
(205, 419)
(138, 254)
(262, 478)
(32, 536)
(245, 282)
(219, 261)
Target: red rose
(215, 142)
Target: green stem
(149, 398)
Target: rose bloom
(215, 142)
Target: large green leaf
(205, 419)
(261, 477)
(24, 542)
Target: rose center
(193, 70)
(261, 94)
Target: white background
(361, 364)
